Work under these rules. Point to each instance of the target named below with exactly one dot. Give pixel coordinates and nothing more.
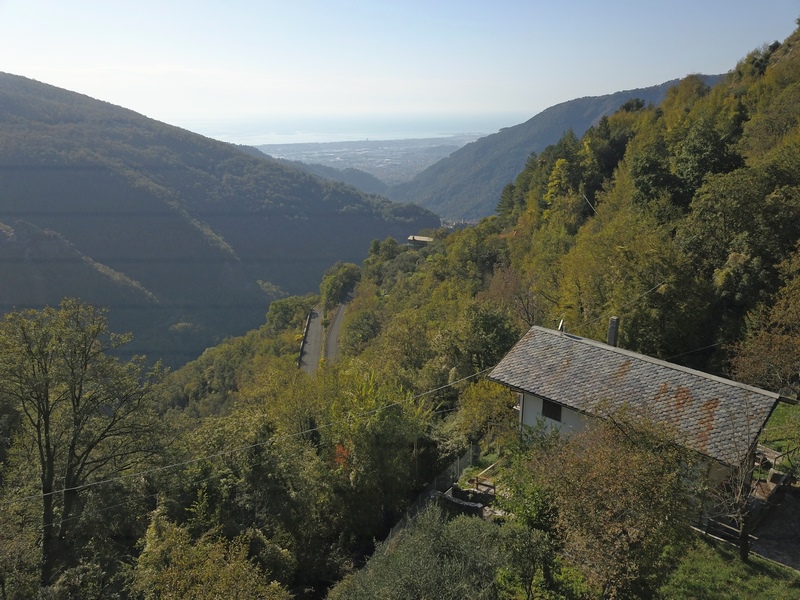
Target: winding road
(312, 344)
(334, 329)
(315, 333)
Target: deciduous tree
(87, 415)
(617, 495)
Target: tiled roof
(717, 417)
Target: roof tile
(711, 415)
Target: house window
(551, 410)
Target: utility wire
(130, 500)
(699, 349)
(589, 203)
(624, 306)
(225, 453)
(652, 289)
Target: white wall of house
(716, 473)
(574, 422)
(531, 412)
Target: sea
(303, 130)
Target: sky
(213, 67)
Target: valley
(254, 438)
(391, 161)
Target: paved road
(332, 341)
(312, 349)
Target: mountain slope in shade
(467, 184)
(175, 232)
(366, 182)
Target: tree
(528, 550)
(483, 336)
(530, 535)
(86, 414)
(373, 437)
(338, 281)
(617, 497)
(560, 182)
(769, 357)
(650, 173)
(701, 153)
(739, 228)
(362, 328)
(432, 558)
(506, 205)
(172, 565)
(485, 414)
(289, 312)
(514, 290)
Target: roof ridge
(657, 361)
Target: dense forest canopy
(466, 184)
(682, 219)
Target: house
(419, 241)
(567, 380)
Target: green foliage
(506, 204)
(433, 558)
(87, 416)
(529, 551)
(359, 331)
(603, 147)
(613, 500)
(739, 229)
(374, 446)
(769, 356)
(650, 171)
(483, 336)
(337, 283)
(485, 414)
(701, 153)
(710, 571)
(289, 313)
(207, 386)
(173, 566)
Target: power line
(699, 349)
(634, 301)
(225, 453)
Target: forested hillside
(186, 238)
(466, 184)
(359, 179)
(240, 476)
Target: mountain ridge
(199, 224)
(467, 184)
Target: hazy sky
(184, 62)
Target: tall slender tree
(86, 414)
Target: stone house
(567, 380)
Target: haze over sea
(299, 130)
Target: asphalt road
(334, 329)
(312, 349)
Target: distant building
(418, 241)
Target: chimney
(613, 331)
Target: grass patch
(712, 571)
(781, 427)
(481, 463)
